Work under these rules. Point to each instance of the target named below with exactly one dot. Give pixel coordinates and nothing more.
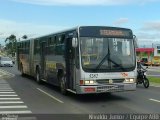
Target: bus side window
(56, 41)
(60, 45)
(36, 51)
(51, 41)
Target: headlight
(87, 82)
(92, 82)
(129, 80)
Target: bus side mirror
(135, 41)
(74, 42)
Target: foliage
(11, 43)
(24, 36)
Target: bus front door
(70, 64)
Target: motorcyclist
(141, 76)
(140, 66)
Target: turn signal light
(81, 82)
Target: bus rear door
(43, 58)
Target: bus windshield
(107, 54)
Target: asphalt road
(47, 99)
(154, 71)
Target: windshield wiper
(102, 61)
(108, 57)
(119, 65)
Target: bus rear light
(81, 82)
(90, 89)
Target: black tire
(63, 87)
(146, 83)
(137, 82)
(38, 76)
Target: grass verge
(154, 79)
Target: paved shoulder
(10, 102)
(155, 84)
(5, 74)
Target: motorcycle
(141, 77)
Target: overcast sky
(40, 17)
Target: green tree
(11, 43)
(24, 36)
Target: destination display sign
(110, 32)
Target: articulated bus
(82, 60)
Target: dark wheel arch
(62, 81)
(38, 75)
(21, 70)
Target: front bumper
(106, 88)
(6, 65)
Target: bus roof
(77, 28)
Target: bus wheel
(38, 78)
(63, 85)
